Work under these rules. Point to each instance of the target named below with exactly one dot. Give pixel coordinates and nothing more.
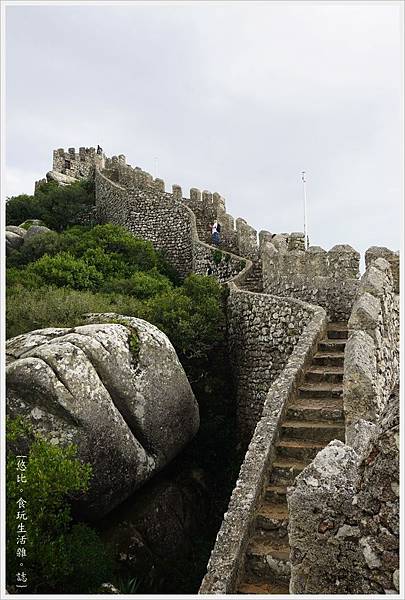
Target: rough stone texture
(226, 563)
(365, 313)
(149, 214)
(13, 241)
(344, 516)
(247, 240)
(391, 257)
(16, 229)
(15, 236)
(78, 165)
(262, 332)
(222, 265)
(60, 178)
(129, 415)
(328, 279)
(360, 377)
(371, 367)
(36, 230)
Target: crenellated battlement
(79, 165)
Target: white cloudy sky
(231, 97)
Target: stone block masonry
(151, 215)
(77, 164)
(226, 564)
(328, 279)
(262, 332)
(371, 367)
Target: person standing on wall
(215, 233)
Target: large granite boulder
(13, 241)
(116, 390)
(60, 178)
(36, 230)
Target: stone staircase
(313, 419)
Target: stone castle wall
(77, 164)
(151, 215)
(262, 332)
(328, 279)
(371, 367)
(225, 567)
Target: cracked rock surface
(129, 412)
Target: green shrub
(192, 316)
(63, 270)
(217, 256)
(50, 243)
(61, 556)
(57, 206)
(23, 278)
(29, 309)
(21, 208)
(141, 285)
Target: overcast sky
(237, 98)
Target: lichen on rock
(116, 390)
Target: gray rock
(360, 372)
(31, 222)
(18, 230)
(128, 415)
(60, 178)
(13, 242)
(359, 435)
(36, 230)
(365, 313)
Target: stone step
(285, 470)
(273, 520)
(316, 409)
(320, 431)
(337, 331)
(324, 373)
(276, 494)
(327, 345)
(302, 450)
(320, 390)
(268, 560)
(262, 587)
(328, 359)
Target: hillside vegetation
(57, 277)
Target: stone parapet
(225, 567)
(371, 367)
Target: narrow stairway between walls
(313, 419)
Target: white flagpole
(305, 208)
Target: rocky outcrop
(60, 178)
(344, 516)
(116, 390)
(14, 238)
(36, 230)
(17, 235)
